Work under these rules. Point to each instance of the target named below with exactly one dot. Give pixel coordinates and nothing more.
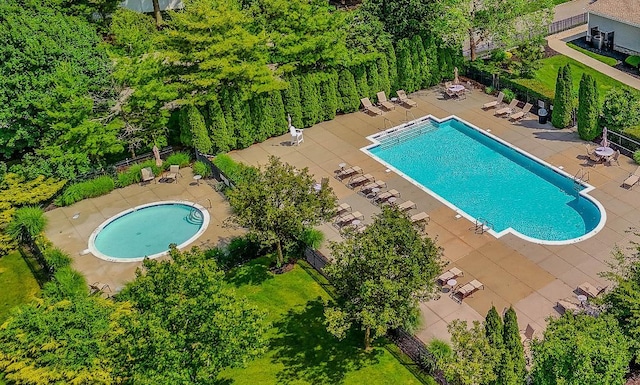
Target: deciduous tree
(279, 203)
(381, 275)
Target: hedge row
(238, 119)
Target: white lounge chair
(366, 189)
(420, 217)
(147, 175)
(406, 206)
(521, 114)
(174, 171)
(452, 273)
(404, 99)
(494, 103)
(591, 291)
(370, 107)
(565, 305)
(385, 196)
(382, 99)
(348, 172)
(632, 179)
(343, 208)
(360, 180)
(346, 219)
(466, 290)
(296, 135)
(509, 109)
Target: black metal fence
(565, 24)
(316, 259)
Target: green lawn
(605, 59)
(17, 283)
(544, 80)
(301, 351)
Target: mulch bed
(282, 269)
(619, 56)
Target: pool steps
(392, 137)
(195, 216)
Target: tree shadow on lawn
(254, 272)
(310, 353)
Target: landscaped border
(587, 187)
(93, 249)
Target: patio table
(604, 151)
(456, 88)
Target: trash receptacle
(542, 116)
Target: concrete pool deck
(529, 276)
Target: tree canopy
(380, 275)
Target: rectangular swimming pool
(483, 177)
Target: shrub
(235, 171)
(56, 258)
(201, 168)
(240, 250)
(133, 174)
(66, 284)
(508, 95)
(440, 349)
(489, 90)
(636, 156)
(180, 158)
(89, 189)
(312, 238)
(26, 224)
(633, 61)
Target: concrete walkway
(570, 9)
(557, 43)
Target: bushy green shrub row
(182, 159)
(633, 61)
(233, 170)
(238, 119)
(134, 175)
(508, 95)
(89, 189)
(201, 168)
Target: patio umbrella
(605, 141)
(455, 76)
(289, 119)
(156, 154)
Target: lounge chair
(633, 179)
(366, 189)
(452, 273)
(346, 219)
(521, 114)
(385, 196)
(147, 175)
(342, 208)
(527, 334)
(509, 109)
(174, 171)
(613, 158)
(406, 206)
(101, 289)
(494, 103)
(382, 99)
(564, 305)
(592, 157)
(404, 99)
(420, 217)
(296, 135)
(466, 290)
(370, 107)
(348, 172)
(360, 180)
(590, 291)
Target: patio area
(529, 276)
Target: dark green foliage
(239, 251)
(633, 61)
(90, 189)
(132, 32)
(349, 100)
(362, 85)
(186, 136)
(182, 159)
(329, 94)
(373, 78)
(199, 133)
(508, 95)
(310, 101)
(493, 328)
(66, 284)
(390, 54)
(422, 74)
(237, 115)
(292, 102)
(312, 238)
(276, 107)
(26, 224)
(636, 156)
(588, 111)
(513, 346)
(56, 258)
(405, 66)
(563, 102)
(505, 371)
(621, 109)
(261, 117)
(200, 168)
(133, 174)
(431, 58)
(221, 135)
(235, 171)
(385, 80)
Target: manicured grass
(544, 80)
(605, 59)
(17, 283)
(301, 351)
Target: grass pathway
(301, 351)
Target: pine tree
(238, 116)
(199, 132)
(349, 100)
(383, 68)
(390, 55)
(405, 67)
(431, 55)
(513, 344)
(422, 75)
(186, 136)
(311, 109)
(261, 117)
(373, 77)
(504, 371)
(280, 124)
(588, 111)
(563, 101)
(493, 328)
(222, 137)
(291, 99)
(360, 76)
(329, 94)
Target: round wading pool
(148, 230)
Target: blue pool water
(148, 231)
(489, 180)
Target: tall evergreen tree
(493, 328)
(431, 56)
(292, 103)
(349, 100)
(513, 344)
(277, 111)
(198, 128)
(588, 111)
(373, 77)
(422, 75)
(563, 101)
(329, 94)
(360, 76)
(311, 108)
(238, 116)
(261, 117)
(390, 54)
(383, 68)
(221, 136)
(405, 66)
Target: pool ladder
(482, 225)
(580, 176)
